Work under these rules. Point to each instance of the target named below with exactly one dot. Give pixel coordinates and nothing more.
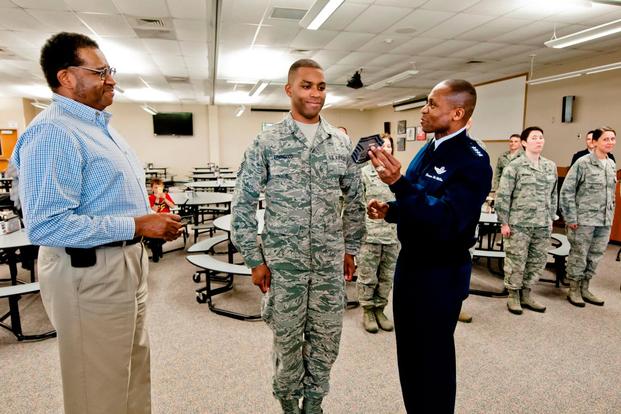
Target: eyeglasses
(103, 73)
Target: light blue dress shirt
(80, 184)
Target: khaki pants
(99, 315)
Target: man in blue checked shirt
(84, 201)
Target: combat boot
(312, 406)
(464, 317)
(290, 406)
(529, 303)
(513, 303)
(574, 296)
(382, 320)
(368, 320)
(588, 296)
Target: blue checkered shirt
(80, 184)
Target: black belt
(122, 243)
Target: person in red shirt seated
(160, 203)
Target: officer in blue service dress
(437, 207)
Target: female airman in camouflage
(588, 205)
(526, 205)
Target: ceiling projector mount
(355, 82)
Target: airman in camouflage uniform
(526, 204)
(377, 258)
(588, 204)
(306, 243)
(515, 150)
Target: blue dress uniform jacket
(437, 207)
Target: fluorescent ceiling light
(575, 74)
(586, 35)
(319, 12)
(604, 68)
(240, 110)
(149, 109)
(258, 88)
(393, 79)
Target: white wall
(12, 114)
(179, 154)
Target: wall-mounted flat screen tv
(173, 123)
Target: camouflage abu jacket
(588, 192)
(378, 231)
(527, 195)
(302, 180)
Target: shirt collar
(82, 111)
(437, 141)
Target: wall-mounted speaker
(568, 109)
(387, 127)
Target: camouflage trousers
(526, 254)
(588, 245)
(376, 269)
(305, 312)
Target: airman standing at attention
(515, 150)
(588, 206)
(526, 204)
(303, 165)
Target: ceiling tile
(44, 5)
(160, 46)
(384, 43)
(20, 20)
(244, 11)
(190, 29)
(448, 47)
(193, 48)
(329, 57)
(237, 35)
(495, 7)
(421, 20)
(448, 5)
(59, 20)
(93, 6)
(357, 58)
(108, 24)
(312, 39)
(376, 19)
(188, 9)
(417, 46)
(344, 16)
(277, 36)
(456, 25)
(490, 30)
(150, 8)
(348, 41)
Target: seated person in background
(589, 149)
(526, 204)
(378, 253)
(160, 203)
(588, 205)
(515, 149)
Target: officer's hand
(505, 230)
(573, 226)
(388, 167)
(158, 226)
(349, 267)
(261, 277)
(377, 209)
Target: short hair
(527, 131)
(597, 133)
(590, 132)
(467, 93)
(514, 136)
(61, 51)
(301, 63)
(157, 181)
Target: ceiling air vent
(152, 28)
(286, 13)
(472, 62)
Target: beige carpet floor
(567, 360)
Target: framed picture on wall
(401, 144)
(410, 134)
(420, 134)
(401, 128)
